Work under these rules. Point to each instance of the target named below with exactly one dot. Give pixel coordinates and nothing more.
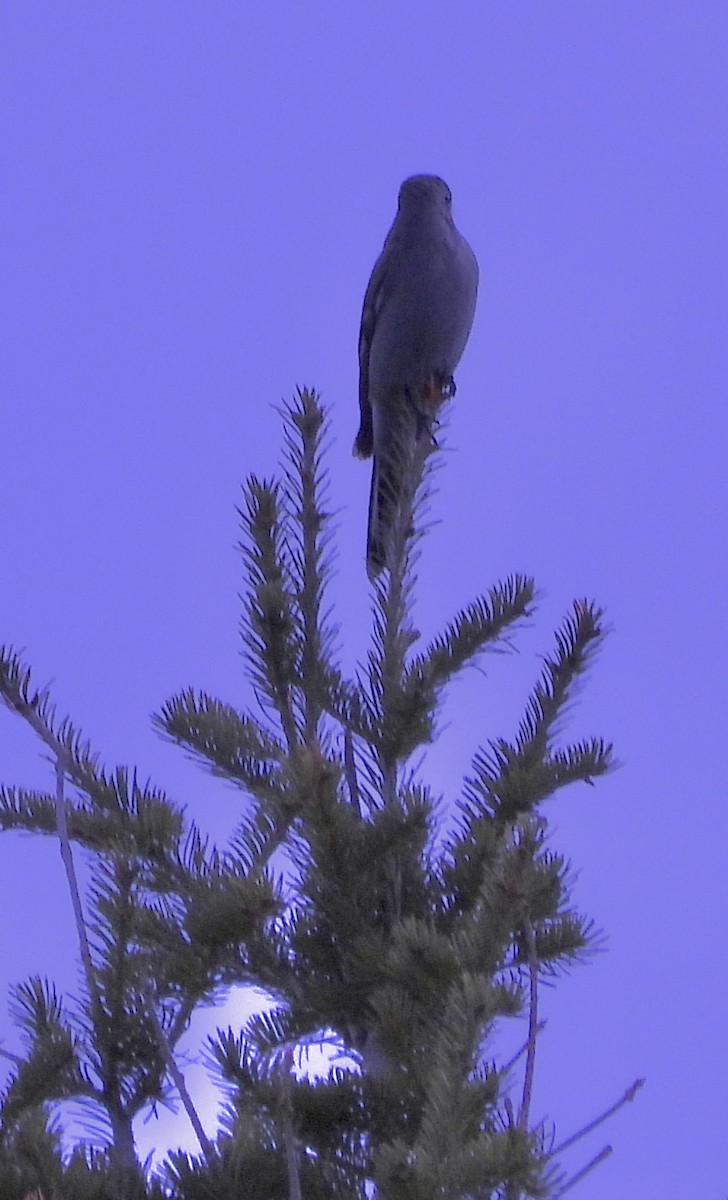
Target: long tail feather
(383, 498)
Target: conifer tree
(393, 928)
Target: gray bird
(417, 314)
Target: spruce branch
(509, 779)
(577, 641)
(51, 1069)
(112, 810)
(32, 811)
(31, 1162)
(234, 746)
(66, 744)
(269, 630)
(305, 423)
(217, 731)
(480, 625)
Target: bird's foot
(428, 400)
(436, 390)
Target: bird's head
(424, 191)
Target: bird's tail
(402, 443)
(397, 470)
(383, 505)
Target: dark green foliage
(391, 928)
(30, 1155)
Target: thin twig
(628, 1096)
(594, 1162)
(178, 1079)
(532, 1026)
(72, 879)
(519, 1053)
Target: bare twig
(628, 1096)
(178, 1078)
(532, 1026)
(594, 1162)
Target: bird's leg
(428, 401)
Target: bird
(416, 319)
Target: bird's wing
(364, 445)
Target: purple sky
(193, 198)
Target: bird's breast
(424, 320)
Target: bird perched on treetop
(418, 310)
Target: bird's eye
(448, 196)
